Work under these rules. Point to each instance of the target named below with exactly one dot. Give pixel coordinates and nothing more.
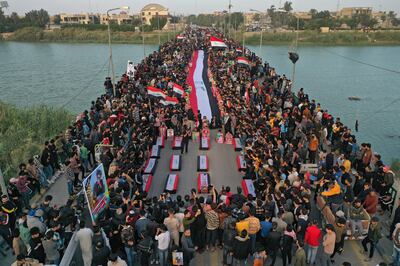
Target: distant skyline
(192, 6)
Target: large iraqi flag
(216, 42)
(152, 91)
(201, 97)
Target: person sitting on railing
(356, 216)
(333, 194)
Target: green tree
(237, 19)
(14, 18)
(313, 12)
(158, 22)
(391, 15)
(38, 18)
(365, 21)
(287, 6)
(191, 19)
(395, 22)
(293, 23)
(175, 19)
(256, 17)
(57, 19)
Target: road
(222, 167)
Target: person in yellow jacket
(333, 189)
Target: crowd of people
(279, 129)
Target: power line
(363, 63)
(86, 87)
(379, 110)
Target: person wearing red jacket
(371, 202)
(312, 239)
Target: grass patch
(24, 130)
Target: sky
(192, 6)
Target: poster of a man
(96, 190)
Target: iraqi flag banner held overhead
(248, 187)
(201, 97)
(216, 42)
(243, 60)
(178, 89)
(152, 91)
(169, 101)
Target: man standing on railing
(45, 160)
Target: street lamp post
(229, 19)
(261, 33)
(158, 28)
(144, 47)
(109, 45)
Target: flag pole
(87, 198)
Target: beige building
(153, 10)
(84, 18)
(351, 11)
(120, 19)
(303, 15)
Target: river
(72, 75)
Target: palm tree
(287, 6)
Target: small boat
(354, 98)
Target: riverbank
(79, 35)
(23, 132)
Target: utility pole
(229, 19)
(111, 63)
(174, 27)
(158, 28)
(244, 29)
(295, 49)
(144, 47)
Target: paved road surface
(222, 167)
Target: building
(303, 15)
(351, 11)
(122, 18)
(256, 21)
(84, 18)
(324, 29)
(153, 10)
(220, 13)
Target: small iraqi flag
(180, 37)
(169, 101)
(155, 92)
(216, 42)
(239, 50)
(243, 60)
(178, 89)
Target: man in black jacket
(100, 254)
(396, 219)
(241, 248)
(273, 242)
(228, 239)
(238, 199)
(37, 250)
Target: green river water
(72, 75)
